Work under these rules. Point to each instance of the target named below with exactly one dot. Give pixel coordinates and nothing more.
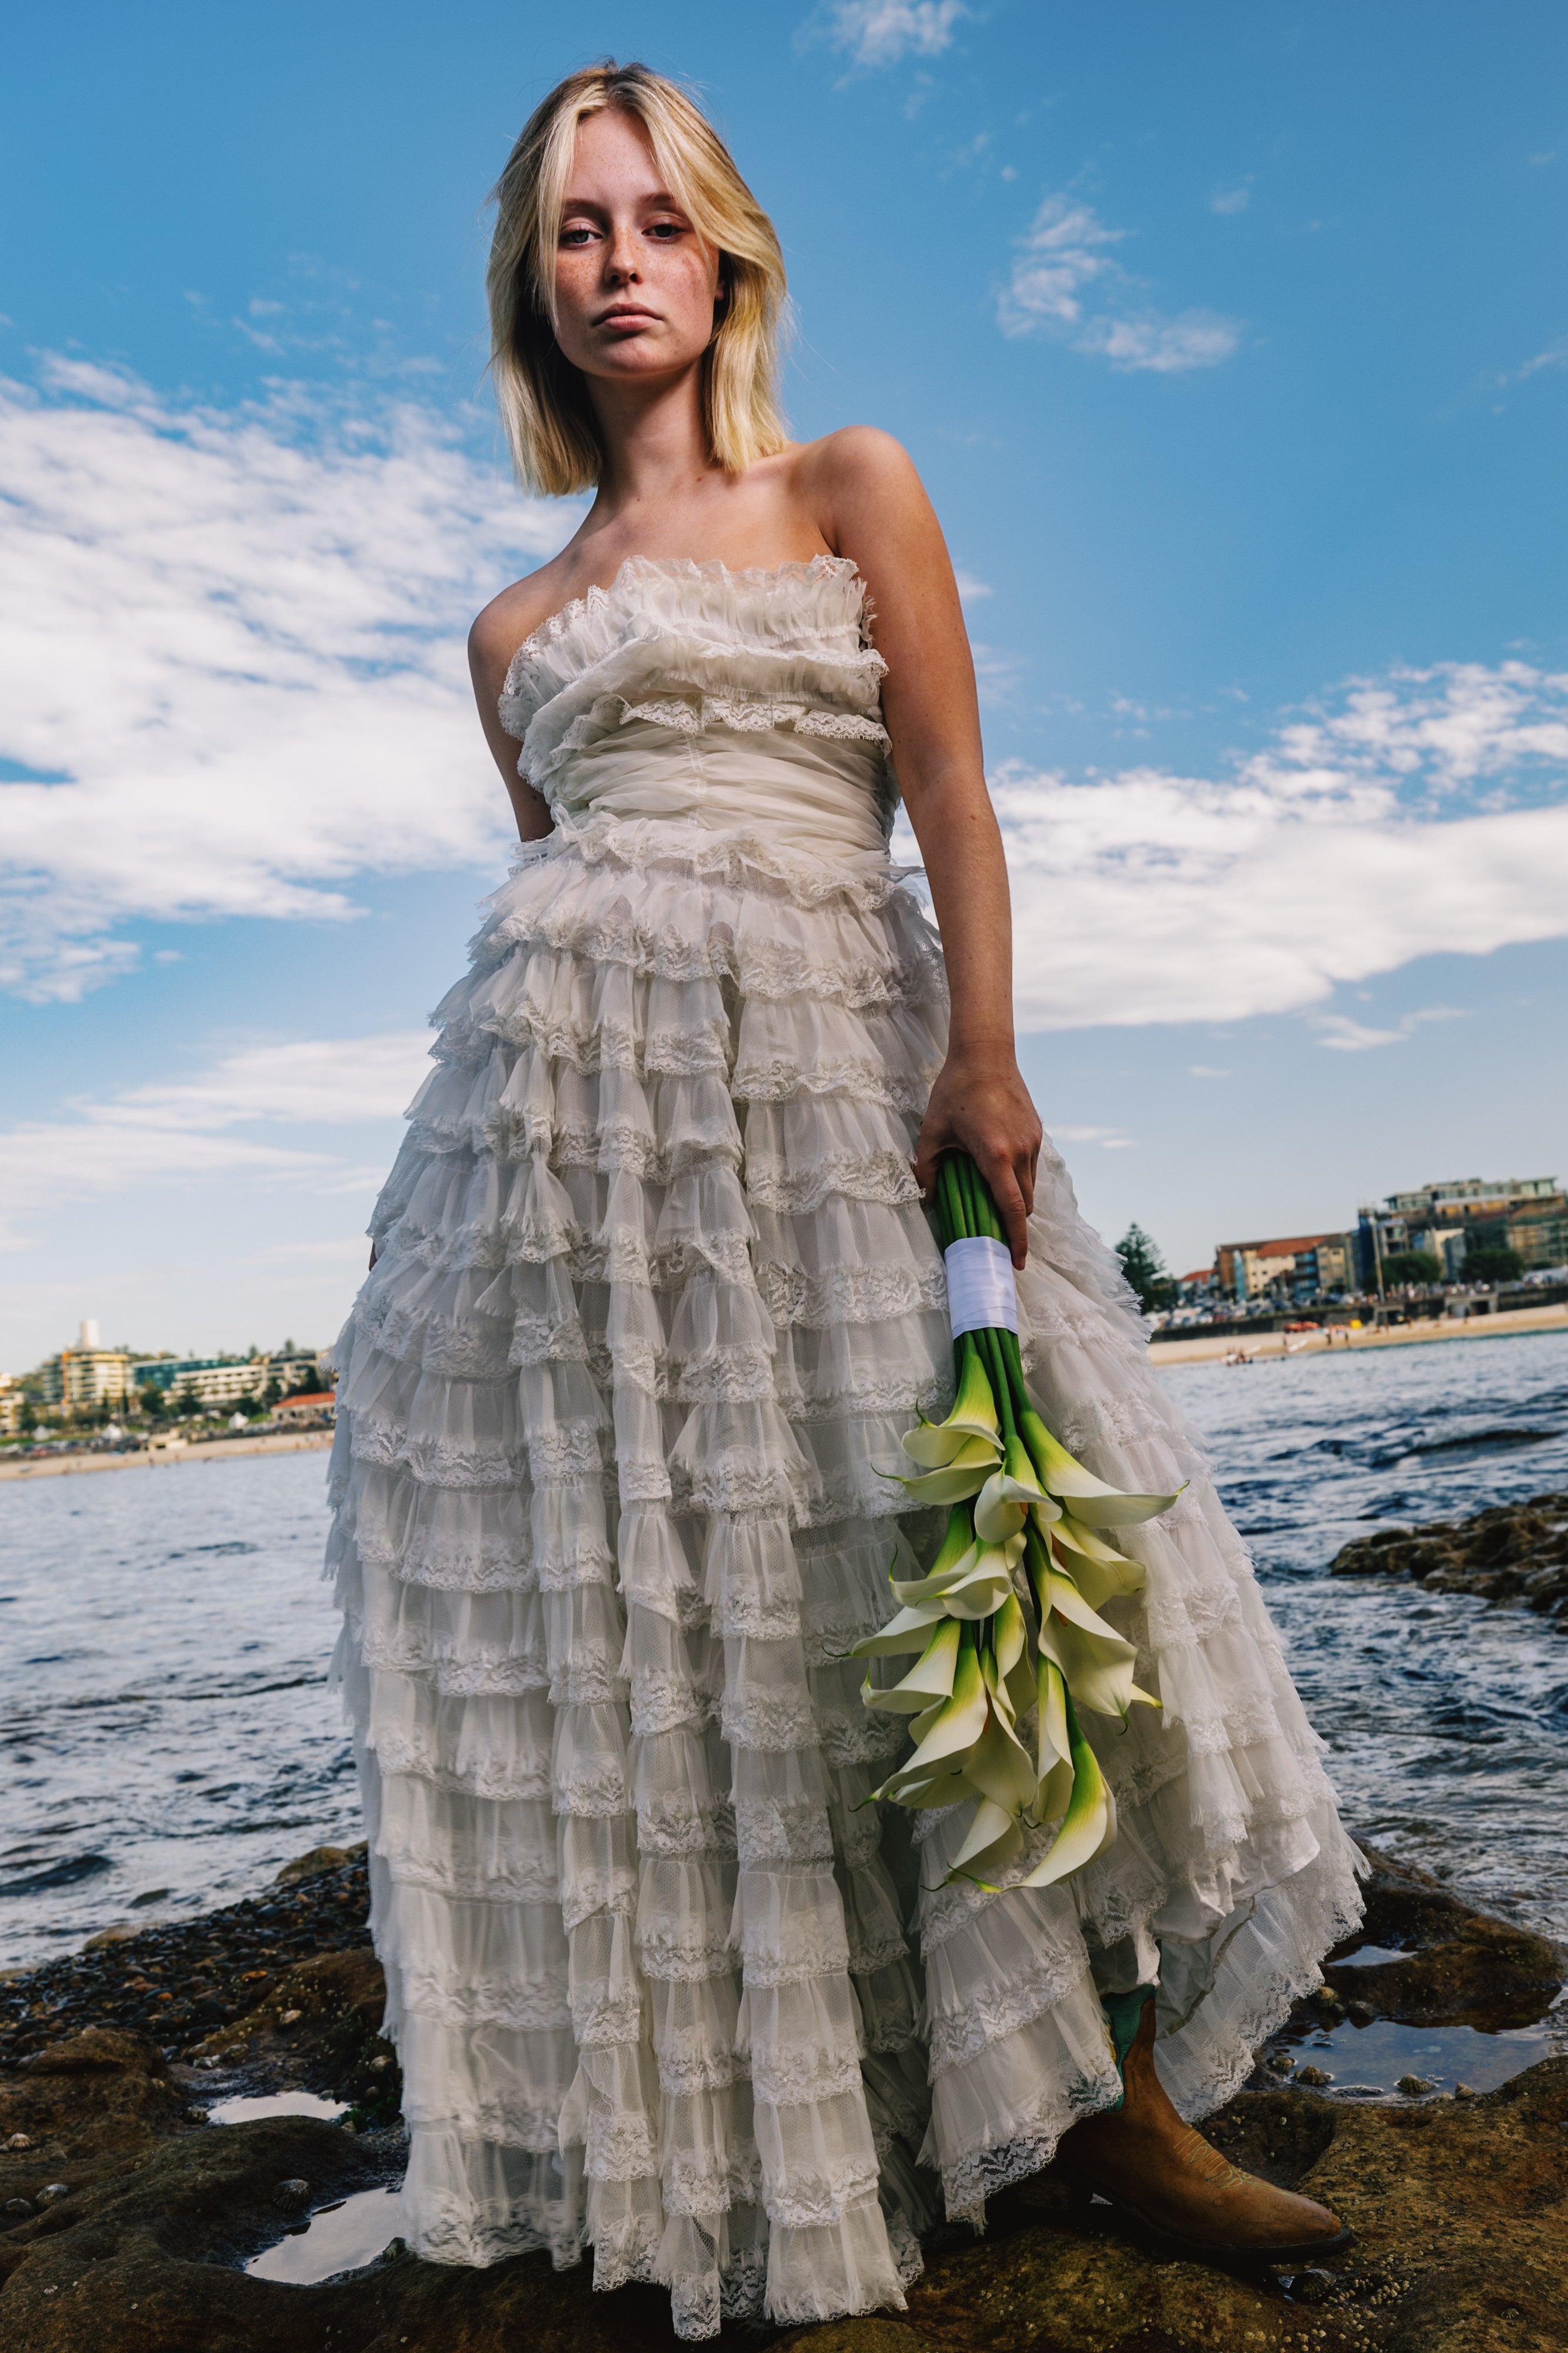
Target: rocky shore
(127, 2217)
(1510, 1553)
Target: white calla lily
(994, 1838)
(1093, 1501)
(1099, 1573)
(963, 1476)
(933, 1444)
(1088, 1826)
(928, 1682)
(1096, 1668)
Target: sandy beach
(1211, 1345)
(212, 1450)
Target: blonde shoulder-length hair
(545, 410)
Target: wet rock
(1314, 2077)
(1414, 2087)
(1449, 2201)
(153, 1982)
(293, 2196)
(1508, 1553)
(1458, 1966)
(98, 2092)
(311, 1865)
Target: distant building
(211, 1380)
(1525, 1214)
(86, 1375)
(224, 1381)
(1299, 1266)
(1470, 1196)
(306, 1408)
(12, 1398)
(1540, 1239)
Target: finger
(1010, 1208)
(1025, 1177)
(930, 1143)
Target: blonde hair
(545, 410)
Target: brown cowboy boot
(1167, 2177)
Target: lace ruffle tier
(655, 1301)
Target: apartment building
(1302, 1266)
(224, 1381)
(87, 1376)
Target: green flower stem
(1001, 1389)
(951, 1213)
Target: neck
(655, 445)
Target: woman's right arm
(492, 641)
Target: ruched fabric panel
(655, 1301)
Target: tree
(27, 1420)
(1493, 1266)
(188, 1402)
(1145, 1268)
(1412, 1266)
(150, 1398)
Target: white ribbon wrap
(981, 1293)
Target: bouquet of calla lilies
(1006, 1621)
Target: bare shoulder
(864, 494)
(514, 614)
(859, 459)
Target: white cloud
(231, 661)
(970, 589)
(328, 1079)
(1555, 356)
(1203, 1070)
(1352, 1037)
(882, 31)
(1422, 813)
(1109, 1139)
(1229, 201)
(183, 1128)
(1068, 283)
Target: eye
(576, 235)
(666, 231)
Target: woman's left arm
(870, 505)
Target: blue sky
(1232, 344)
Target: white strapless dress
(655, 1300)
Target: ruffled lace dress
(655, 1300)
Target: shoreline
(1212, 1347)
(207, 1449)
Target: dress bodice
(730, 701)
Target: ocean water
(167, 1739)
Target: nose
(621, 255)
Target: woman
(654, 1300)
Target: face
(635, 284)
